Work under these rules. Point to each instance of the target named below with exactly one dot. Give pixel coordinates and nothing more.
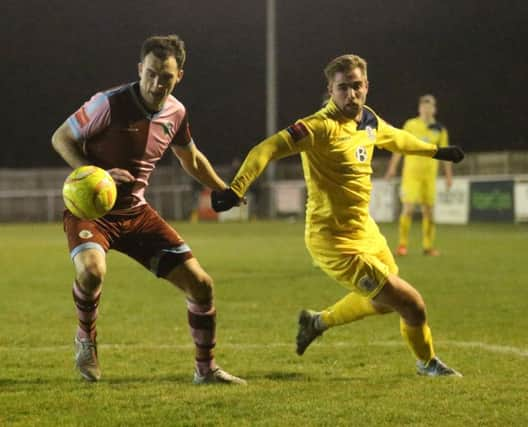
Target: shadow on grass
(75, 382)
(179, 378)
(6, 383)
(279, 376)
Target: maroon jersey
(118, 132)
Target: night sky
(471, 54)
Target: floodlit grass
(360, 374)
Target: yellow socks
(428, 233)
(419, 339)
(405, 226)
(351, 307)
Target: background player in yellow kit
(418, 185)
(336, 146)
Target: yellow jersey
(415, 167)
(336, 154)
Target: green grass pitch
(359, 374)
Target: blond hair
(344, 63)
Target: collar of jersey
(337, 114)
(148, 115)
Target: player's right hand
(224, 200)
(121, 176)
(453, 153)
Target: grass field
(360, 374)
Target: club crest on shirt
(361, 154)
(367, 284)
(371, 133)
(167, 128)
(85, 234)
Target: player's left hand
(453, 153)
(224, 200)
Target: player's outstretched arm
(198, 166)
(452, 153)
(224, 200)
(272, 148)
(401, 141)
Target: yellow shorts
(419, 191)
(361, 270)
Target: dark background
(471, 54)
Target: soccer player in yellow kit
(418, 184)
(336, 146)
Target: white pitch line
(490, 348)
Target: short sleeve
(183, 137)
(91, 118)
(301, 135)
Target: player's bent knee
(201, 289)
(404, 299)
(416, 314)
(91, 276)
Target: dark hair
(427, 99)
(163, 47)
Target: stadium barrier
(487, 187)
(473, 198)
(173, 202)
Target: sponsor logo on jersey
(361, 154)
(82, 117)
(297, 131)
(85, 234)
(367, 284)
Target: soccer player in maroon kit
(126, 130)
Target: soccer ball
(89, 192)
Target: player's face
(157, 79)
(349, 91)
(427, 109)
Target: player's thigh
(152, 242)
(362, 273)
(88, 242)
(386, 258)
(193, 280)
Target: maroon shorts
(141, 234)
